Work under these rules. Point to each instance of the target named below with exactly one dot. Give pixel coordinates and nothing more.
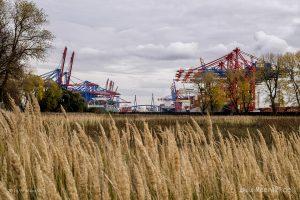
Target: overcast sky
(141, 43)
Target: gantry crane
(89, 90)
(235, 60)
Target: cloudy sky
(141, 43)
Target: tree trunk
(3, 88)
(273, 105)
(246, 106)
(296, 89)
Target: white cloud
(265, 43)
(173, 51)
(221, 49)
(89, 51)
(296, 21)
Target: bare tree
(269, 73)
(4, 33)
(291, 64)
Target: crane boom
(70, 69)
(62, 66)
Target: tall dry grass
(56, 159)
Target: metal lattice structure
(235, 60)
(177, 96)
(89, 90)
(142, 107)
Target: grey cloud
(139, 42)
(265, 43)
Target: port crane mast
(90, 91)
(236, 60)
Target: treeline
(48, 93)
(278, 75)
(24, 38)
(51, 96)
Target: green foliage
(73, 102)
(51, 98)
(33, 84)
(54, 97)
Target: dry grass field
(84, 156)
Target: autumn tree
(246, 92)
(211, 94)
(231, 80)
(23, 37)
(33, 85)
(239, 83)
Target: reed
(92, 157)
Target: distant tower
(135, 102)
(135, 105)
(152, 101)
(152, 105)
